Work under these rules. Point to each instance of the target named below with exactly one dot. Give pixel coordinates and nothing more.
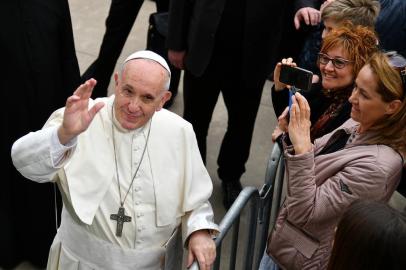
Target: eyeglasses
(337, 62)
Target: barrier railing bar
(263, 203)
(266, 198)
(252, 232)
(234, 242)
(270, 211)
(231, 219)
(234, 211)
(276, 201)
(263, 232)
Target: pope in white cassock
(130, 174)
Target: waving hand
(77, 116)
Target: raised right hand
(77, 116)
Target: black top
(391, 25)
(319, 102)
(39, 72)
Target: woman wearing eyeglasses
(343, 53)
(362, 159)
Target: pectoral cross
(120, 217)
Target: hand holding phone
(292, 92)
(296, 77)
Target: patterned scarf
(337, 100)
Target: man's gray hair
(358, 12)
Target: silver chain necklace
(120, 217)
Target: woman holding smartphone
(362, 159)
(343, 53)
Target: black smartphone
(300, 78)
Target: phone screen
(300, 78)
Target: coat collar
(351, 128)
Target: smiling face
(336, 78)
(139, 92)
(367, 105)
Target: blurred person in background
(39, 71)
(370, 236)
(225, 47)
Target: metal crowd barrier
(263, 205)
(232, 220)
(270, 197)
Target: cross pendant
(120, 217)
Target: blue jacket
(391, 25)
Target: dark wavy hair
(370, 235)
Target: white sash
(100, 254)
